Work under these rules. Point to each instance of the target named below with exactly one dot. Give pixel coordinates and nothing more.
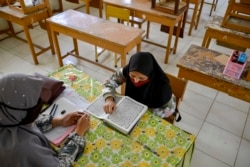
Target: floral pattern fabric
(152, 142)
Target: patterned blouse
(117, 79)
(71, 150)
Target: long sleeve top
(117, 79)
(69, 152)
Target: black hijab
(157, 91)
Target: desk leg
(148, 29)
(60, 6)
(50, 39)
(171, 31)
(123, 63)
(100, 8)
(177, 36)
(206, 39)
(27, 34)
(57, 48)
(75, 46)
(11, 28)
(87, 7)
(138, 48)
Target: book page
(65, 106)
(127, 113)
(96, 107)
(75, 98)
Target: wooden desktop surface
(143, 8)
(106, 34)
(200, 65)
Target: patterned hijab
(157, 91)
(21, 142)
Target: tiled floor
(221, 123)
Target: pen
(51, 111)
(55, 109)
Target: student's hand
(68, 119)
(83, 124)
(71, 118)
(109, 105)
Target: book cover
(127, 114)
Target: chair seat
(139, 21)
(136, 20)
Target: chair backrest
(178, 86)
(121, 14)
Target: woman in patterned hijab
(22, 144)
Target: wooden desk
(199, 65)
(216, 31)
(143, 8)
(153, 142)
(88, 4)
(237, 16)
(26, 21)
(94, 3)
(105, 34)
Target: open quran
(127, 113)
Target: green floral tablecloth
(152, 143)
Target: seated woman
(22, 144)
(145, 82)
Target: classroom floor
(220, 122)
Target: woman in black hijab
(145, 82)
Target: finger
(106, 109)
(111, 109)
(80, 113)
(86, 116)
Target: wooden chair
(237, 16)
(123, 16)
(178, 86)
(213, 5)
(197, 9)
(138, 20)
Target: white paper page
(96, 108)
(68, 106)
(76, 99)
(127, 113)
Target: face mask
(140, 83)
